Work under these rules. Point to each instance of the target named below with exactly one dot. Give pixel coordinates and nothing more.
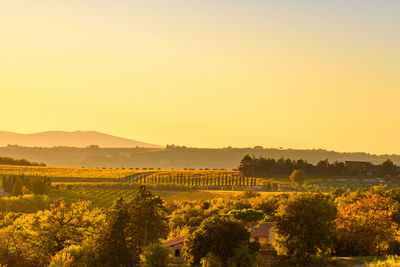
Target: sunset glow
(293, 74)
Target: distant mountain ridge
(69, 139)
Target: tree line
(20, 184)
(267, 167)
(197, 180)
(19, 162)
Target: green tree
(148, 220)
(245, 166)
(298, 176)
(156, 255)
(305, 225)
(211, 261)
(189, 216)
(249, 217)
(34, 238)
(17, 187)
(268, 204)
(62, 259)
(243, 256)
(217, 235)
(388, 168)
(111, 244)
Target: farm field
(72, 172)
(100, 197)
(173, 180)
(104, 194)
(103, 186)
(66, 172)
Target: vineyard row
(194, 180)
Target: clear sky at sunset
(292, 74)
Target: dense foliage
(20, 184)
(19, 162)
(76, 235)
(217, 235)
(129, 228)
(391, 261)
(305, 225)
(298, 176)
(59, 228)
(366, 226)
(267, 167)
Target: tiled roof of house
(175, 241)
(262, 229)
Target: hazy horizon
(300, 75)
(146, 144)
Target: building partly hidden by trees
(267, 167)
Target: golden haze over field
(205, 73)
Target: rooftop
(175, 241)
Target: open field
(188, 179)
(72, 172)
(65, 172)
(103, 186)
(103, 195)
(100, 197)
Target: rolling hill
(69, 139)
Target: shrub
(62, 259)
(211, 261)
(156, 255)
(25, 203)
(391, 261)
(298, 176)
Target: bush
(74, 256)
(211, 261)
(156, 255)
(244, 257)
(25, 203)
(62, 259)
(298, 176)
(391, 261)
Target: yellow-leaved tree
(365, 227)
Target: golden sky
(300, 74)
